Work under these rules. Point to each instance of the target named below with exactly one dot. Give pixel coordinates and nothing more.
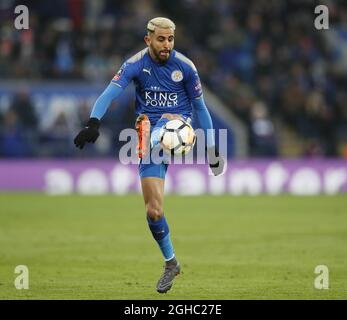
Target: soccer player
(167, 87)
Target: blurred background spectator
(283, 78)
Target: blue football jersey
(160, 87)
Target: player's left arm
(194, 89)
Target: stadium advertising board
(298, 177)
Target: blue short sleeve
(125, 74)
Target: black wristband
(93, 123)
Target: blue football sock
(160, 232)
(156, 130)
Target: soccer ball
(177, 137)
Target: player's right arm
(119, 82)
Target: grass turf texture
(80, 247)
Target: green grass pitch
(99, 247)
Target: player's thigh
(171, 116)
(153, 195)
(153, 189)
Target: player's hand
(215, 161)
(89, 134)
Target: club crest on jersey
(177, 76)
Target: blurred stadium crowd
(263, 58)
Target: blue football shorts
(152, 169)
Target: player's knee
(154, 212)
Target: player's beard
(159, 57)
